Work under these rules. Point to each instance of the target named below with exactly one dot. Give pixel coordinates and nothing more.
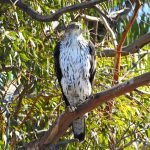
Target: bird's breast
(75, 66)
(75, 62)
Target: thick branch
(54, 16)
(121, 42)
(130, 49)
(62, 123)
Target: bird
(75, 67)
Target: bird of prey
(75, 67)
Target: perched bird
(75, 67)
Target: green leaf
(24, 57)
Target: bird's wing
(56, 63)
(92, 62)
(58, 69)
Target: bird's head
(74, 28)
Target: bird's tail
(79, 128)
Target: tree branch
(62, 123)
(8, 68)
(121, 42)
(89, 18)
(54, 16)
(108, 28)
(142, 92)
(130, 49)
(110, 22)
(138, 102)
(116, 15)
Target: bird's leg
(85, 115)
(90, 97)
(72, 107)
(73, 104)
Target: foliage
(30, 97)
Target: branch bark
(62, 123)
(54, 16)
(130, 49)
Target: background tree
(30, 98)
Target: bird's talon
(85, 115)
(91, 97)
(71, 108)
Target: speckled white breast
(75, 65)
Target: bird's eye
(78, 27)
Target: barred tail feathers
(79, 128)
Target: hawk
(75, 67)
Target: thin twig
(18, 107)
(124, 136)
(109, 29)
(135, 65)
(126, 145)
(89, 18)
(142, 92)
(138, 102)
(31, 110)
(7, 114)
(95, 31)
